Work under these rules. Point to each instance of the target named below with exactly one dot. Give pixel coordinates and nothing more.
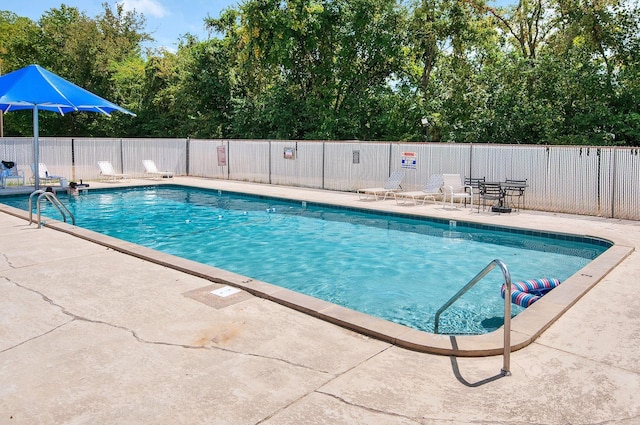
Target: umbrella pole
(36, 148)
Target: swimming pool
(399, 268)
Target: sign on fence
(222, 156)
(409, 160)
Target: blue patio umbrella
(35, 88)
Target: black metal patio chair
(514, 193)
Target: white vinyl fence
(598, 181)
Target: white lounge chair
(107, 171)
(44, 175)
(152, 171)
(453, 188)
(391, 185)
(431, 190)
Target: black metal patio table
(500, 191)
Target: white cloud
(146, 7)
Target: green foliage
(83, 50)
(539, 72)
(311, 69)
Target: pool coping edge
(525, 327)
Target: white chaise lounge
(432, 190)
(390, 186)
(152, 171)
(107, 171)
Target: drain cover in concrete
(225, 291)
(218, 296)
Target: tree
(85, 51)
(18, 41)
(541, 71)
(18, 47)
(311, 68)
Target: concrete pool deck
(91, 335)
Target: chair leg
(518, 203)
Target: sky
(166, 20)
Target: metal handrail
(34, 193)
(51, 197)
(507, 307)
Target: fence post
(228, 161)
(73, 159)
(323, 162)
(599, 181)
(186, 160)
(390, 159)
(121, 156)
(614, 178)
(471, 161)
(270, 159)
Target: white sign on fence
(409, 160)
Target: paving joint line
(318, 391)
(76, 317)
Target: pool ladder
(507, 308)
(51, 197)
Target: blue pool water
(398, 268)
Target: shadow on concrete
(458, 375)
